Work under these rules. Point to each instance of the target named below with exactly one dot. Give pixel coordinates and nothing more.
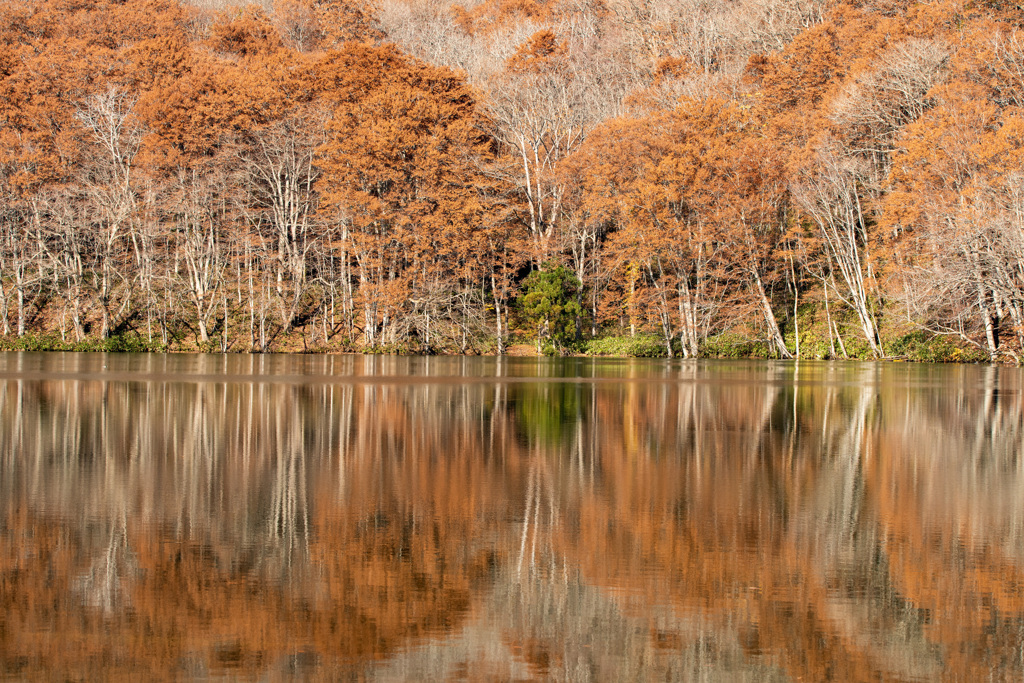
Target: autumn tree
(676, 194)
(619, 169)
(955, 201)
(746, 194)
(403, 169)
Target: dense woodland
(814, 178)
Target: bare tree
(199, 211)
(279, 163)
(430, 32)
(21, 252)
(973, 285)
(828, 191)
(1008, 67)
(108, 190)
(874, 105)
(68, 253)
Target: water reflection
(409, 518)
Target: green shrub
(733, 345)
(34, 342)
(921, 347)
(119, 343)
(640, 346)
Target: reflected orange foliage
(800, 521)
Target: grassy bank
(122, 343)
(815, 342)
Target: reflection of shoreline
(779, 524)
(168, 378)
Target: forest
(790, 178)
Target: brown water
(332, 518)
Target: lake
(405, 518)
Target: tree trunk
(769, 316)
(497, 317)
(687, 320)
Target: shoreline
(936, 352)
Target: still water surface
(332, 518)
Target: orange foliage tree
(404, 171)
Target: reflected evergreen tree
(548, 413)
